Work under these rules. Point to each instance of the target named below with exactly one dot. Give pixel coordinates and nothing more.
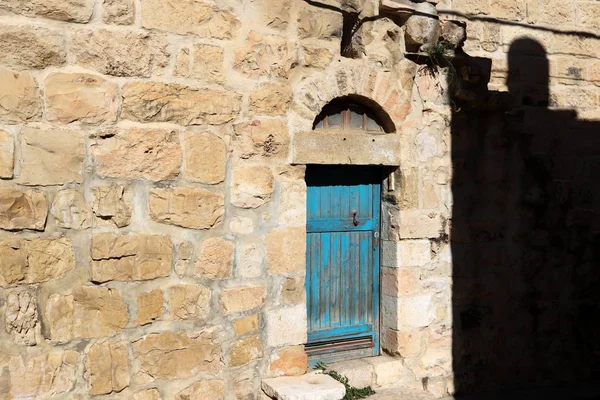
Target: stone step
(312, 386)
(376, 372)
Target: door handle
(355, 217)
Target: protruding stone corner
(312, 386)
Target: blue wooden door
(342, 283)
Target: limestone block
(48, 374)
(359, 373)
(403, 343)
(31, 47)
(244, 351)
(177, 355)
(7, 155)
(241, 225)
(320, 24)
(183, 63)
(261, 138)
(265, 55)
(272, 13)
(472, 6)
(20, 99)
(313, 386)
(420, 224)
(205, 390)
(293, 291)
(286, 326)
(215, 260)
(71, 210)
(121, 53)
(513, 10)
(589, 14)
(423, 28)
(286, 250)
(416, 311)
(34, 261)
(185, 17)
(398, 282)
(292, 204)
(80, 97)
(205, 158)
(437, 358)
(251, 187)
(317, 57)
(112, 203)
(246, 324)
(149, 307)
(51, 157)
(160, 102)
(250, 260)
(242, 298)
(386, 369)
(289, 361)
(107, 367)
(453, 32)
(413, 253)
(153, 154)
(58, 318)
(22, 209)
(147, 394)
(189, 301)
(21, 317)
(71, 11)
(118, 12)
(130, 257)
(208, 63)
(186, 207)
(98, 312)
(271, 99)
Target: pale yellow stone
(78, 97)
(189, 301)
(420, 224)
(21, 317)
(130, 257)
(147, 394)
(186, 207)
(208, 63)
(266, 55)
(153, 154)
(250, 260)
(237, 299)
(317, 57)
(261, 138)
(118, 12)
(20, 99)
(403, 343)
(112, 203)
(246, 324)
(70, 11)
(271, 99)
(107, 367)
(277, 16)
(49, 374)
(160, 102)
(290, 361)
(31, 47)
(22, 209)
(182, 63)
(189, 16)
(244, 351)
(251, 187)
(71, 210)
(149, 307)
(7, 154)
(98, 312)
(119, 53)
(205, 158)
(215, 260)
(59, 317)
(241, 225)
(514, 10)
(319, 23)
(177, 355)
(51, 156)
(286, 249)
(34, 261)
(589, 14)
(293, 291)
(205, 390)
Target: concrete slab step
(312, 386)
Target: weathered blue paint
(343, 220)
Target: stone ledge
(312, 386)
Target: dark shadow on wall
(526, 243)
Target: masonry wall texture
(152, 193)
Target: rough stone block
(397, 282)
(20, 99)
(186, 207)
(21, 317)
(161, 102)
(71, 210)
(251, 187)
(112, 203)
(69, 11)
(416, 311)
(403, 343)
(130, 257)
(589, 14)
(238, 299)
(51, 156)
(208, 63)
(205, 389)
(149, 307)
(320, 24)
(359, 373)
(22, 209)
(261, 138)
(278, 16)
(265, 55)
(107, 367)
(97, 312)
(205, 158)
(118, 12)
(31, 47)
(250, 257)
(286, 250)
(316, 57)
(245, 351)
(313, 386)
(293, 291)
(246, 324)
(34, 261)
(387, 370)
(189, 301)
(147, 394)
(289, 361)
(189, 17)
(415, 224)
(271, 99)
(286, 326)
(413, 253)
(215, 260)
(7, 155)
(177, 355)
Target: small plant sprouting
(352, 393)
